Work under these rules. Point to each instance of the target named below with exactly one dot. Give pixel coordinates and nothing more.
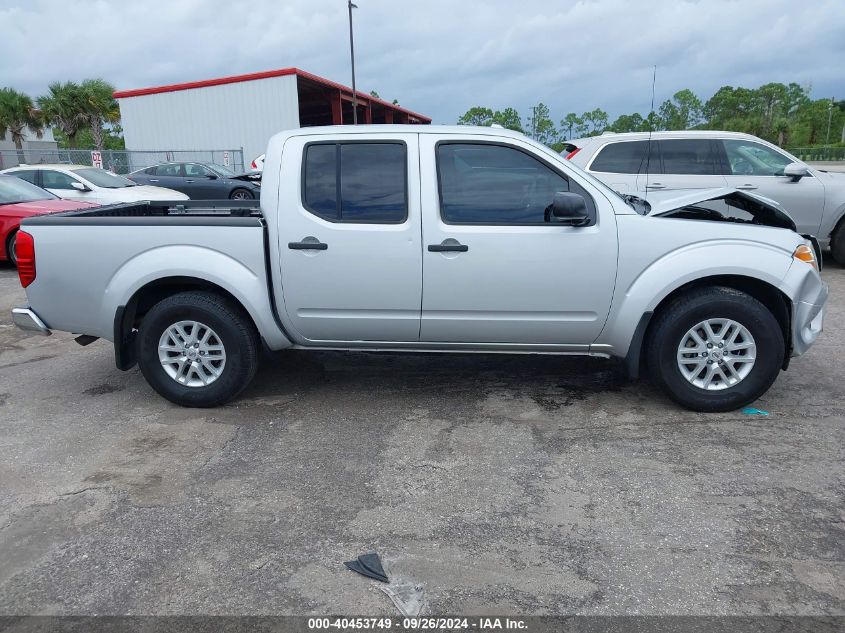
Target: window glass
(495, 184)
(693, 157)
(14, 191)
(752, 159)
(629, 157)
(321, 180)
(356, 182)
(193, 169)
(103, 178)
(170, 169)
(56, 180)
(25, 174)
(372, 182)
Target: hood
(724, 204)
(252, 177)
(145, 192)
(42, 207)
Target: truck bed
(90, 263)
(158, 210)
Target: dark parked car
(200, 181)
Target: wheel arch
(128, 316)
(770, 296)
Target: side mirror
(796, 171)
(571, 208)
(211, 176)
(79, 186)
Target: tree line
(784, 114)
(81, 114)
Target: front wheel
(241, 194)
(715, 349)
(197, 349)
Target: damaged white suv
(676, 162)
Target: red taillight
(572, 153)
(254, 166)
(25, 252)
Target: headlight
(806, 254)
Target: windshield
(221, 171)
(103, 178)
(14, 190)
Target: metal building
(243, 111)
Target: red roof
(281, 72)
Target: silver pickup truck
(447, 239)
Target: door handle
(189, 180)
(448, 248)
(656, 185)
(307, 246)
(153, 179)
(747, 187)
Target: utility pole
(352, 55)
(829, 118)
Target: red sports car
(20, 199)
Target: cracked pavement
(505, 484)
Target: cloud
(437, 57)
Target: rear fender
(248, 287)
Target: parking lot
(503, 484)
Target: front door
(496, 268)
(349, 238)
(756, 168)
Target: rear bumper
(27, 320)
(808, 319)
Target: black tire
(837, 244)
(10, 248)
(231, 325)
(671, 325)
(241, 194)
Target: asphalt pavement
(503, 484)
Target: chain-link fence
(818, 153)
(121, 161)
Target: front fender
(642, 293)
(247, 286)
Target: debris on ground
(368, 565)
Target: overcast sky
(437, 57)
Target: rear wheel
(715, 349)
(197, 349)
(10, 248)
(241, 194)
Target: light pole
(352, 55)
(829, 118)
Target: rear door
(685, 163)
(170, 176)
(757, 168)
(619, 163)
(349, 238)
(509, 274)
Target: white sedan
(80, 182)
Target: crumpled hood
(765, 211)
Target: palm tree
(100, 107)
(64, 107)
(17, 114)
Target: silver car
(646, 165)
